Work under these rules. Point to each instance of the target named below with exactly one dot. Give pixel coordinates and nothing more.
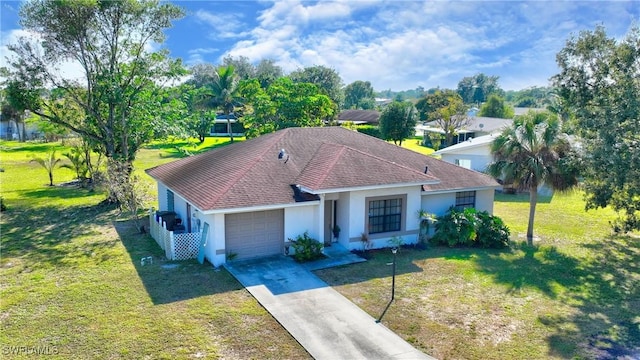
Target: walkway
(323, 321)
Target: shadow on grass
(48, 192)
(15, 147)
(377, 266)
(521, 198)
(180, 149)
(49, 236)
(604, 289)
(170, 281)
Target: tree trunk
(50, 177)
(229, 127)
(533, 200)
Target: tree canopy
(495, 107)
(359, 95)
(119, 91)
(284, 104)
(326, 79)
(531, 152)
(476, 89)
(599, 81)
(398, 121)
(448, 111)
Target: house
(477, 126)
(10, 129)
(473, 153)
(220, 126)
(256, 195)
(359, 117)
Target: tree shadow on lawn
(56, 191)
(170, 281)
(377, 266)
(47, 236)
(179, 149)
(604, 291)
(521, 198)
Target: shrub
(306, 248)
(471, 228)
(370, 130)
(3, 207)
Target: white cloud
(224, 25)
(401, 45)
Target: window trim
(403, 214)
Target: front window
(465, 199)
(385, 215)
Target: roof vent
(282, 155)
(426, 168)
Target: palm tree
(225, 93)
(531, 152)
(49, 163)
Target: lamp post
(394, 251)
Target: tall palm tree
(225, 92)
(49, 163)
(531, 152)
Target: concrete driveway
(323, 321)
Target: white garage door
(255, 234)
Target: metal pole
(393, 284)
(393, 277)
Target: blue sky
(396, 45)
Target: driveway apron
(324, 322)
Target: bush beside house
(471, 228)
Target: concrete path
(323, 321)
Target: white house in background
(257, 194)
(477, 126)
(220, 126)
(474, 153)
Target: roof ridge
(333, 161)
(248, 167)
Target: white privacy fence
(176, 246)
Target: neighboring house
(359, 117)
(474, 153)
(10, 129)
(257, 194)
(220, 126)
(477, 126)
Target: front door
(329, 221)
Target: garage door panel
(255, 234)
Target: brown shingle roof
(360, 116)
(249, 173)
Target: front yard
(576, 294)
(72, 285)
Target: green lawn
(414, 144)
(72, 284)
(576, 294)
(71, 281)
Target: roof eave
(473, 188)
(366, 187)
(259, 207)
